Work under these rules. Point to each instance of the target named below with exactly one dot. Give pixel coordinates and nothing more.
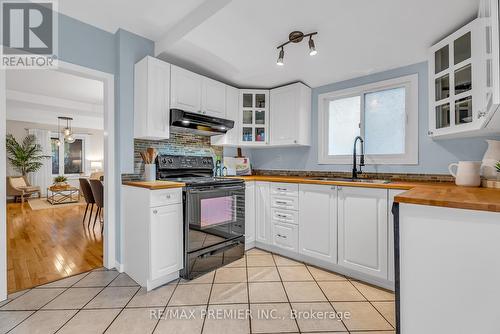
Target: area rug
(42, 204)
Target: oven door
(214, 215)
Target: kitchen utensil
(468, 173)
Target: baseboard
(120, 267)
(386, 284)
(249, 245)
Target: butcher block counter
(154, 185)
(441, 194)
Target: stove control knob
(170, 161)
(164, 161)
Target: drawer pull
(155, 211)
(281, 216)
(168, 196)
(281, 189)
(281, 202)
(281, 236)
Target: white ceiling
(41, 96)
(56, 84)
(237, 43)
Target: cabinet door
(254, 117)
(262, 212)
(185, 90)
(362, 228)
(151, 99)
(166, 241)
(213, 100)
(284, 114)
(231, 138)
(249, 212)
(318, 222)
(284, 236)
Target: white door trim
(109, 256)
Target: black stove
(214, 212)
(192, 170)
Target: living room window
(384, 113)
(68, 158)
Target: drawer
(284, 202)
(285, 216)
(285, 236)
(285, 189)
(165, 197)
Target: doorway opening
(60, 205)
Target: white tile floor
(261, 284)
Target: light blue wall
(86, 45)
(434, 156)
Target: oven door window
(217, 210)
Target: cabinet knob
(430, 133)
(481, 114)
(155, 211)
(168, 196)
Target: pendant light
(67, 132)
(57, 141)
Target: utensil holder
(150, 172)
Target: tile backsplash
(178, 144)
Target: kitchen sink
(344, 179)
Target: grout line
(166, 305)
(208, 301)
(369, 301)
(91, 299)
(248, 291)
(314, 278)
(286, 294)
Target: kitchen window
(68, 158)
(384, 113)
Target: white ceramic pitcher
(468, 173)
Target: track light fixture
(297, 37)
(280, 58)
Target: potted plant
(25, 157)
(60, 181)
(497, 166)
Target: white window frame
(410, 157)
(61, 155)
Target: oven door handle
(215, 189)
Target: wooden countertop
(451, 196)
(422, 193)
(311, 180)
(154, 185)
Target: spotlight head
(280, 58)
(312, 47)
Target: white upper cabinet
(463, 79)
(231, 138)
(318, 222)
(362, 230)
(290, 115)
(254, 117)
(185, 92)
(213, 99)
(151, 99)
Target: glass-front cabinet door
(254, 106)
(454, 71)
(464, 88)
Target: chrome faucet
(355, 172)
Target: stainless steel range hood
(183, 121)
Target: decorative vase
(491, 157)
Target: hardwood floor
(47, 245)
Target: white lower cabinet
(164, 222)
(362, 229)
(249, 214)
(152, 235)
(285, 236)
(318, 222)
(262, 212)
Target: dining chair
(98, 192)
(89, 198)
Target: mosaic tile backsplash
(178, 144)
